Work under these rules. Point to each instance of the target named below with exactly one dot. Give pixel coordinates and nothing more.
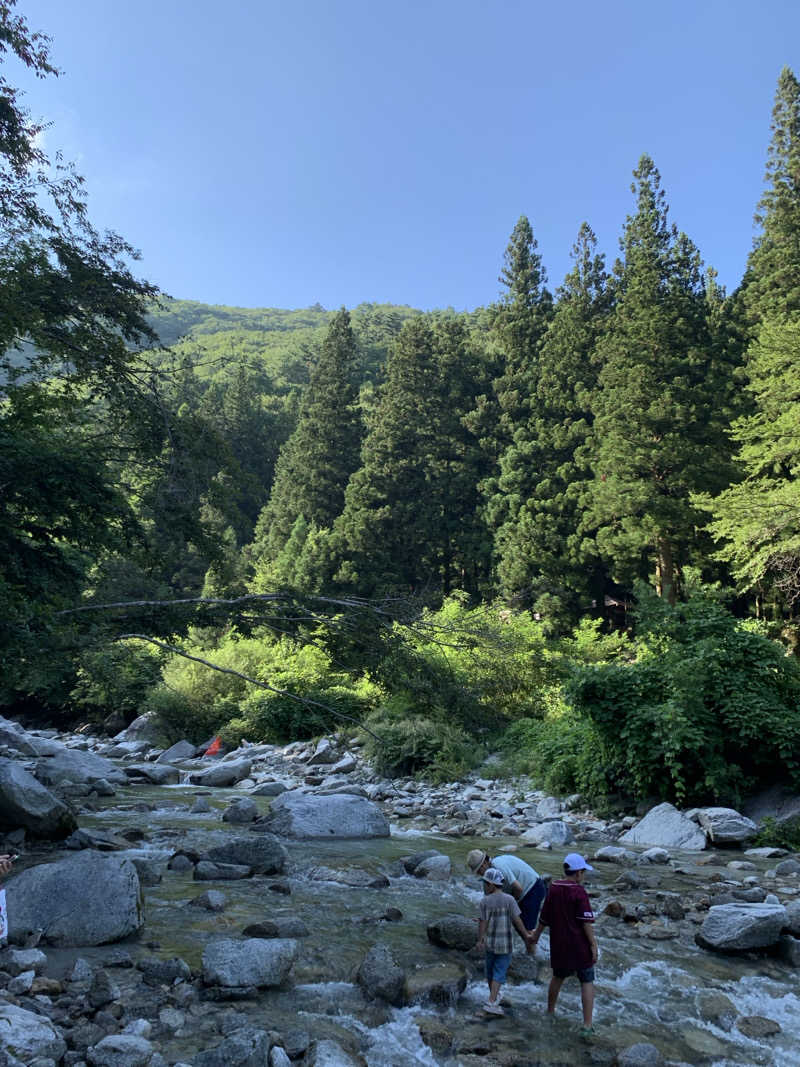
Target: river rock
(16, 961)
(303, 816)
(212, 900)
(120, 1050)
(223, 774)
(790, 866)
(263, 852)
(355, 877)
(278, 1057)
(205, 871)
(245, 1047)
(71, 765)
(251, 962)
(26, 803)
(281, 926)
(27, 1036)
(410, 863)
(549, 808)
(241, 811)
(146, 727)
(101, 840)
(756, 1026)
(88, 899)
(556, 832)
(329, 1054)
(323, 754)
(268, 789)
(666, 827)
(14, 737)
(642, 1054)
(434, 868)
(793, 917)
(655, 855)
(725, 826)
(179, 751)
(380, 976)
(155, 773)
(737, 927)
(442, 983)
(789, 950)
(453, 931)
(156, 971)
(616, 854)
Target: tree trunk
(665, 570)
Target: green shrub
(399, 746)
(117, 677)
(182, 718)
(775, 834)
(276, 719)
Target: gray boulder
(242, 811)
(281, 926)
(220, 872)
(354, 877)
(28, 1037)
(793, 917)
(329, 1054)
(305, 817)
(15, 960)
(120, 1050)
(264, 853)
(790, 866)
(14, 737)
(380, 976)
(222, 774)
(323, 754)
(147, 727)
(88, 899)
(642, 1054)
(616, 854)
(738, 927)
(255, 962)
(441, 983)
(245, 1047)
(72, 765)
(434, 868)
(453, 931)
(155, 773)
(269, 789)
(556, 832)
(180, 750)
(725, 826)
(25, 803)
(666, 827)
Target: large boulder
(666, 827)
(441, 983)
(147, 727)
(222, 774)
(245, 1047)
(725, 826)
(28, 1037)
(381, 977)
(304, 816)
(89, 899)
(14, 737)
(155, 773)
(739, 927)
(120, 1050)
(453, 931)
(26, 803)
(179, 751)
(251, 963)
(329, 1054)
(262, 852)
(556, 832)
(72, 765)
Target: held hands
(5, 863)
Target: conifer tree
(315, 464)
(544, 472)
(771, 285)
(658, 434)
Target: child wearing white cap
(573, 946)
(499, 912)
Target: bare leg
(587, 1002)
(552, 993)
(494, 989)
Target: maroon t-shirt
(565, 910)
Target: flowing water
(647, 990)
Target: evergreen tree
(315, 464)
(544, 472)
(771, 285)
(658, 435)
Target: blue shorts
(497, 965)
(531, 904)
(584, 976)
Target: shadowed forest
(563, 527)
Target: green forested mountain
(231, 484)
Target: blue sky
(265, 153)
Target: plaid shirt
(499, 911)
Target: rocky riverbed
(284, 905)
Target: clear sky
(264, 153)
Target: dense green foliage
(231, 482)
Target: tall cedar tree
(409, 523)
(517, 324)
(771, 285)
(543, 559)
(658, 434)
(316, 463)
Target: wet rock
(241, 811)
(440, 982)
(725, 826)
(282, 926)
(410, 863)
(101, 840)
(223, 774)
(380, 976)
(296, 1043)
(656, 855)
(737, 927)
(435, 1033)
(149, 871)
(103, 990)
(765, 853)
(220, 872)
(453, 931)
(665, 827)
(434, 868)
(306, 817)
(245, 1047)
(201, 806)
(26, 803)
(156, 971)
(790, 866)
(21, 985)
(789, 950)
(87, 899)
(716, 1008)
(793, 917)
(16, 960)
(251, 962)
(154, 773)
(181, 750)
(278, 1057)
(614, 908)
(263, 852)
(641, 1054)
(27, 1036)
(354, 878)
(212, 900)
(329, 1054)
(181, 862)
(616, 854)
(268, 789)
(120, 1050)
(756, 1026)
(81, 971)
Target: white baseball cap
(492, 875)
(575, 862)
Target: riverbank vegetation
(564, 527)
